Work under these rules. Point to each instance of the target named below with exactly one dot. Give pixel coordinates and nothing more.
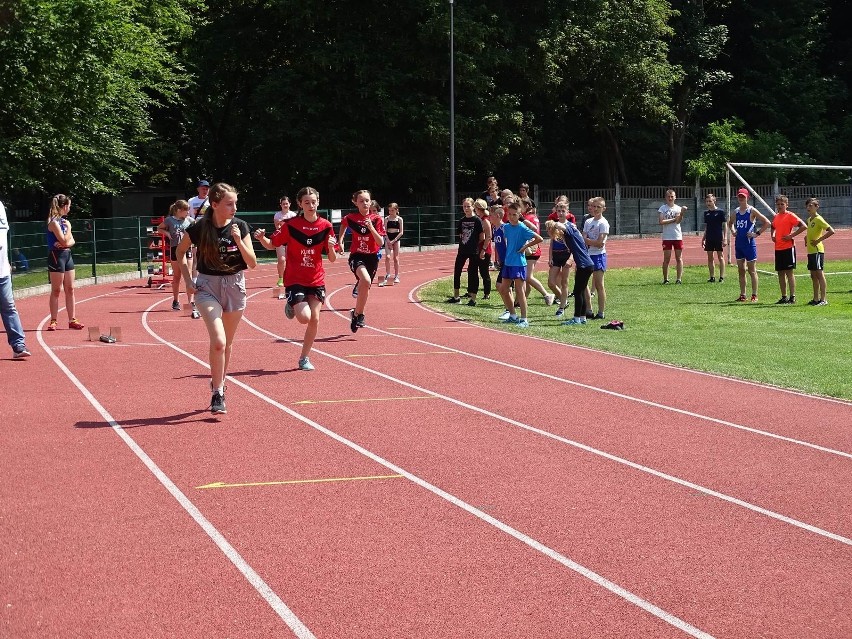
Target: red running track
(490, 484)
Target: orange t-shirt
(784, 223)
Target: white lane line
(821, 398)
(646, 402)
(589, 574)
(589, 449)
(299, 629)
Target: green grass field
(699, 325)
(40, 277)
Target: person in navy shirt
(713, 240)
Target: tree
(77, 82)
(609, 57)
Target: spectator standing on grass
(518, 238)
(305, 237)
(713, 240)
(786, 225)
(480, 208)
(671, 215)
(533, 255)
(175, 226)
(584, 268)
(284, 213)
(470, 233)
(744, 230)
(818, 231)
(595, 232)
(560, 259)
(224, 251)
(60, 262)
(367, 237)
(9, 312)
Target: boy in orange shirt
(785, 226)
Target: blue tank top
(500, 243)
(50, 236)
(743, 225)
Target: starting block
(114, 335)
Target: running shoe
(821, 303)
(549, 299)
(813, 302)
(176, 306)
(396, 280)
(361, 321)
(288, 311)
(217, 403)
(575, 321)
(353, 324)
(792, 299)
(560, 311)
(712, 279)
(77, 326)
(195, 314)
(678, 282)
(783, 300)
(754, 298)
(384, 282)
(721, 279)
(22, 354)
(471, 302)
(666, 282)
(590, 315)
(355, 290)
(504, 316)
(52, 325)
(453, 300)
(523, 323)
(741, 298)
(599, 316)
(305, 364)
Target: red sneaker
(77, 326)
(754, 298)
(52, 325)
(741, 298)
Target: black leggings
(472, 273)
(485, 274)
(581, 281)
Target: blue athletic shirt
(516, 236)
(743, 225)
(578, 248)
(500, 243)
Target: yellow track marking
(219, 484)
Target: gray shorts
(228, 291)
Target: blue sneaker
(523, 323)
(574, 321)
(560, 311)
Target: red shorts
(668, 245)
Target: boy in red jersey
(368, 232)
(304, 274)
(785, 226)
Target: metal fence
(630, 211)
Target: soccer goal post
(729, 170)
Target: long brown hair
(56, 205)
(208, 240)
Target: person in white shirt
(281, 251)
(11, 319)
(595, 232)
(671, 215)
(196, 202)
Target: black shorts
(713, 245)
(60, 261)
(816, 261)
(173, 254)
(297, 293)
(559, 258)
(369, 261)
(785, 259)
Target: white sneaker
(396, 280)
(504, 316)
(384, 282)
(549, 299)
(22, 354)
(305, 364)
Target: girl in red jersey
(304, 275)
(367, 238)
